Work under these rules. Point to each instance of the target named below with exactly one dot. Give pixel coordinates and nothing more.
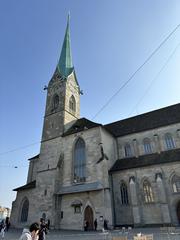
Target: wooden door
(88, 216)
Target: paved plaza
(158, 234)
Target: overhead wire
(155, 78)
(137, 70)
(20, 148)
(110, 99)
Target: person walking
(95, 224)
(3, 227)
(31, 233)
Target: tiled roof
(147, 160)
(155, 119)
(27, 186)
(81, 124)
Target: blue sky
(109, 39)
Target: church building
(126, 172)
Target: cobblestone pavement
(14, 234)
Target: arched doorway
(88, 216)
(24, 210)
(178, 211)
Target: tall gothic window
(72, 104)
(169, 141)
(148, 194)
(25, 210)
(127, 150)
(79, 161)
(124, 194)
(175, 183)
(147, 146)
(55, 102)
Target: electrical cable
(124, 84)
(137, 70)
(155, 78)
(17, 149)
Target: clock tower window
(72, 104)
(55, 102)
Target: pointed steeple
(65, 65)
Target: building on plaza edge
(127, 172)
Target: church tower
(63, 95)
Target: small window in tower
(55, 102)
(72, 104)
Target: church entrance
(88, 216)
(178, 211)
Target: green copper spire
(65, 65)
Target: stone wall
(156, 137)
(161, 211)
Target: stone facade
(127, 172)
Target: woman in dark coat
(42, 231)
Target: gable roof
(81, 125)
(146, 160)
(35, 157)
(26, 186)
(154, 119)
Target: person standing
(95, 224)
(43, 230)
(85, 225)
(48, 224)
(105, 224)
(31, 233)
(7, 223)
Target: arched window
(175, 183)
(124, 194)
(79, 161)
(147, 146)
(169, 141)
(148, 194)
(72, 104)
(55, 102)
(24, 211)
(127, 150)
